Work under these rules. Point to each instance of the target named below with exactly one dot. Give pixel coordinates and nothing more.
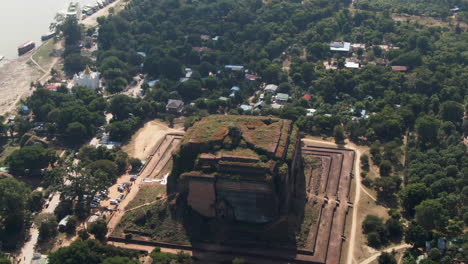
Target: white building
(87, 78)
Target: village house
(340, 46)
(352, 65)
(271, 88)
(174, 106)
(281, 98)
(399, 68)
(234, 67)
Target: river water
(24, 20)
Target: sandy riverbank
(16, 75)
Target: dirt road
(158, 157)
(27, 252)
(91, 21)
(388, 250)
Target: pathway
(387, 250)
(28, 249)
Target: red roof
(399, 68)
(251, 76)
(51, 87)
(307, 96)
(26, 44)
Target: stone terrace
(331, 190)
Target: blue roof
(234, 67)
(25, 108)
(246, 107)
(340, 46)
(152, 83)
(142, 54)
(235, 88)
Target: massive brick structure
(238, 168)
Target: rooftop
(340, 46)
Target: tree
(30, 158)
(21, 126)
(64, 208)
(416, 235)
(13, 207)
(338, 134)
(365, 162)
(412, 195)
(431, 214)
(169, 258)
(119, 260)
(121, 106)
(451, 111)
(48, 227)
(36, 201)
(89, 252)
(76, 133)
(190, 89)
(238, 261)
(385, 168)
(427, 128)
(374, 240)
(71, 31)
(83, 234)
(120, 130)
(71, 225)
(394, 229)
(99, 229)
(387, 187)
(387, 258)
(375, 230)
(170, 68)
(135, 164)
(75, 63)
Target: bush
(368, 182)
(48, 227)
(99, 229)
(373, 240)
(365, 162)
(83, 234)
(71, 224)
(385, 168)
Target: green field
(42, 55)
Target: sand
(142, 143)
(16, 75)
(15, 80)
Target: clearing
(144, 141)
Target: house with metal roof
(340, 46)
(174, 106)
(271, 88)
(282, 98)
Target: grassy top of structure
(265, 135)
(253, 147)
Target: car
(114, 202)
(120, 189)
(120, 198)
